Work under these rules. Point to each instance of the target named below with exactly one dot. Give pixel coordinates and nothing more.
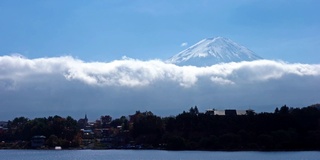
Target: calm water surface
(152, 155)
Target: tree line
(284, 129)
(58, 130)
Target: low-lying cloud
(69, 84)
(184, 44)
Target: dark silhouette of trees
(194, 110)
(284, 129)
(147, 129)
(122, 121)
(58, 130)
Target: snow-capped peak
(211, 51)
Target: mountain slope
(211, 51)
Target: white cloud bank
(136, 73)
(66, 81)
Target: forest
(284, 129)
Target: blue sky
(72, 56)
(97, 30)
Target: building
(38, 141)
(230, 112)
(83, 122)
(227, 112)
(3, 124)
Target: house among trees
(38, 141)
(3, 126)
(227, 112)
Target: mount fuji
(212, 51)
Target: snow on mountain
(211, 51)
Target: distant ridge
(211, 51)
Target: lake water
(152, 155)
